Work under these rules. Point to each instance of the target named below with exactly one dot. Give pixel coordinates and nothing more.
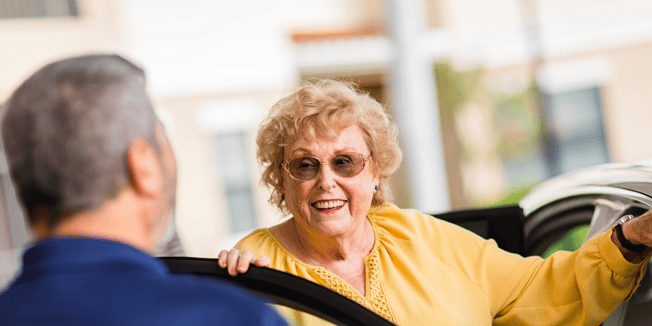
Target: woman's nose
(326, 177)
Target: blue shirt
(84, 281)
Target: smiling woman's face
(330, 204)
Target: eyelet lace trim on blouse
(376, 299)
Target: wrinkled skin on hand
(237, 262)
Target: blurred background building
(491, 97)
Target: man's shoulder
(192, 288)
(188, 284)
(139, 298)
(200, 300)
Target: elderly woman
(327, 152)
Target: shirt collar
(74, 251)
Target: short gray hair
(67, 130)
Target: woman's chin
(333, 227)
(331, 223)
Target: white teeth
(328, 204)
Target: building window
(12, 9)
(231, 124)
(233, 166)
(577, 130)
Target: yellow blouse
(425, 271)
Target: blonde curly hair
(325, 107)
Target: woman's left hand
(238, 262)
(637, 231)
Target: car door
(563, 212)
(559, 214)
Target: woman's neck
(314, 248)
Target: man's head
(68, 132)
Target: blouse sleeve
(568, 288)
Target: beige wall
(628, 99)
(202, 220)
(201, 213)
(28, 44)
(626, 92)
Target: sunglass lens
(347, 165)
(304, 168)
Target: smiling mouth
(330, 205)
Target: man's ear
(145, 173)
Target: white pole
(414, 102)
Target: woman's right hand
(238, 262)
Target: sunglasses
(306, 167)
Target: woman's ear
(145, 173)
(376, 178)
(281, 191)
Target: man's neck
(118, 219)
